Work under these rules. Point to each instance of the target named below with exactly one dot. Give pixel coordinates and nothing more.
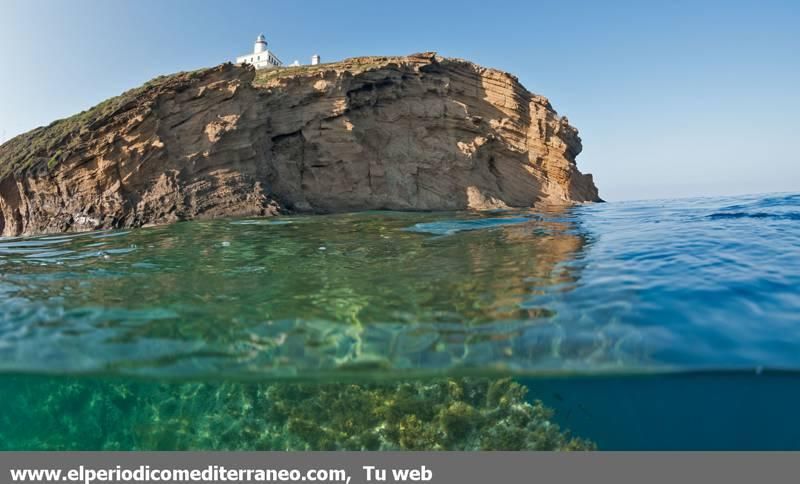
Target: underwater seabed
(677, 411)
(68, 413)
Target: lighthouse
(261, 57)
(261, 44)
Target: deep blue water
(681, 411)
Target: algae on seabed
(47, 413)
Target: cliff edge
(420, 132)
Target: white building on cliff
(263, 58)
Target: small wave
(261, 222)
(762, 215)
(781, 201)
(450, 227)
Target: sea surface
(669, 324)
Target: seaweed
(442, 414)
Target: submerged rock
(453, 414)
(405, 133)
(446, 414)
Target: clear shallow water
(603, 291)
(679, 285)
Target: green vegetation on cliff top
(49, 145)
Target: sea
(650, 325)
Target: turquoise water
(201, 326)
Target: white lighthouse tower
(261, 44)
(261, 58)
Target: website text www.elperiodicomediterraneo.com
(211, 473)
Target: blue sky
(672, 98)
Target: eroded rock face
(404, 133)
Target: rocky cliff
(404, 133)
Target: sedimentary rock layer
(420, 132)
